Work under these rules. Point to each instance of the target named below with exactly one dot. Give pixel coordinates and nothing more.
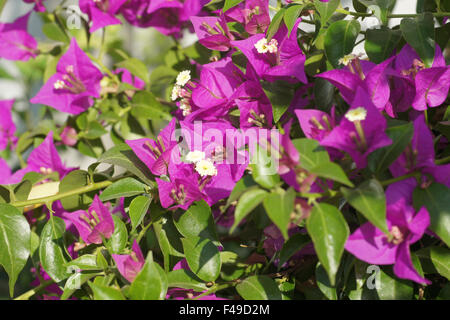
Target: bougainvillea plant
(234, 150)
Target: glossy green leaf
(119, 238)
(151, 282)
(393, 288)
(329, 232)
(279, 205)
(436, 198)
(381, 43)
(401, 136)
(259, 288)
(311, 153)
(264, 168)
(203, 257)
(14, 242)
(196, 221)
(106, 293)
(126, 187)
(331, 171)
(275, 24)
(340, 40)
(440, 257)
(369, 199)
(138, 209)
(122, 156)
(247, 202)
(51, 250)
(292, 246)
(291, 15)
(326, 9)
(185, 279)
(230, 4)
(85, 262)
(73, 180)
(419, 33)
(323, 282)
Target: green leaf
(292, 246)
(311, 153)
(393, 288)
(340, 40)
(145, 104)
(440, 257)
(275, 24)
(93, 131)
(136, 67)
(169, 240)
(126, 187)
(240, 187)
(203, 257)
(151, 283)
(279, 205)
(369, 199)
(280, 94)
(380, 8)
(74, 283)
(331, 171)
(51, 249)
(401, 136)
(247, 202)
(105, 293)
(119, 238)
(264, 168)
(185, 279)
(419, 33)
(14, 242)
(436, 198)
(291, 15)
(122, 156)
(381, 43)
(230, 4)
(197, 221)
(326, 9)
(138, 209)
(259, 288)
(85, 262)
(329, 232)
(323, 282)
(75, 179)
(54, 32)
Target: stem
(404, 177)
(58, 196)
(143, 231)
(27, 295)
(215, 289)
(402, 15)
(443, 160)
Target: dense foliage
(265, 159)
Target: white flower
(186, 107)
(263, 47)
(195, 156)
(345, 60)
(59, 84)
(206, 168)
(176, 92)
(183, 77)
(357, 114)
